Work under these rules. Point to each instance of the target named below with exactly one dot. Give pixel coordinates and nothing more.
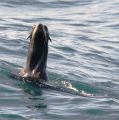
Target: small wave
(8, 88)
(68, 87)
(12, 117)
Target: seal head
(37, 54)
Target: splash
(75, 90)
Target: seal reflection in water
(37, 54)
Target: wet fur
(37, 54)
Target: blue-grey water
(84, 53)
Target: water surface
(84, 52)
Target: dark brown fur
(37, 54)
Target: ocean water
(84, 53)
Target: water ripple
(84, 53)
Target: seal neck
(38, 50)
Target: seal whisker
(29, 37)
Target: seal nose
(40, 26)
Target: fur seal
(35, 73)
(37, 54)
